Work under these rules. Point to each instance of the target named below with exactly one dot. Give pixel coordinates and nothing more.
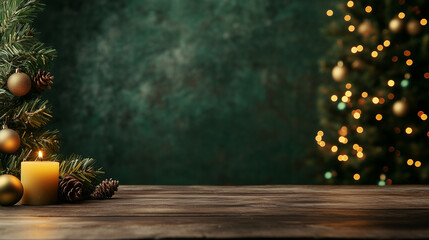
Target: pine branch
(18, 46)
(30, 60)
(82, 169)
(20, 36)
(11, 164)
(5, 98)
(47, 140)
(17, 12)
(34, 113)
(38, 117)
(23, 115)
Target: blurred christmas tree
(374, 113)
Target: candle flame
(40, 154)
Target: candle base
(40, 182)
(39, 196)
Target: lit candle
(40, 181)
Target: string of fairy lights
(399, 106)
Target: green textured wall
(187, 92)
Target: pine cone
(105, 189)
(42, 81)
(70, 190)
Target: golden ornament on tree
(11, 190)
(413, 27)
(400, 108)
(9, 140)
(339, 72)
(19, 83)
(396, 25)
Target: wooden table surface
(139, 212)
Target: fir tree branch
(23, 115)
(21, 36)
(17, 12)
(5, 97)
(83, 169)
(18, 46)
(11, 164)
(47, 140)
(30, 60)
(33, 113)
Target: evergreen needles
(83, 169)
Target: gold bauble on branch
(339, 72)
(366, 28)
(413, 27)
(9, 140)
(11, 190)
(396, 25)
(19, 83)
(400, 108)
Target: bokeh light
(356, 176)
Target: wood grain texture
(139, 212)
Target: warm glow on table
(40, 182)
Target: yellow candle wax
(40, 182)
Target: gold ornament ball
(396, 25)
(11, 190)
(413, 27)
(19, 83)
(366, 28)
(339, 72)
(9, 140)
(400, 108)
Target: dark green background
(188, 92)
